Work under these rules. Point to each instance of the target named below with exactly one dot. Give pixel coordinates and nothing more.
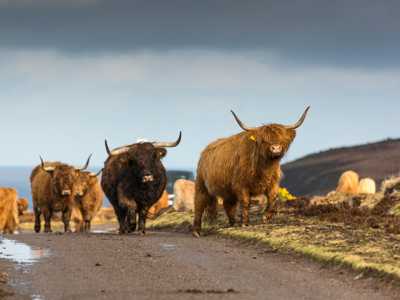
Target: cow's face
(63, 186)
(273, 140)
(85, 181)
(144, 159)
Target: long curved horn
(107, 148)
(96, 174)
(300, 121)
(240, 123)
(116, 151)
(47, 169)
(169, 144)
(86, 165)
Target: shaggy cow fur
(23, 205)
(88, 205)
(124, 185)
(348, 183)
(239, 167)
(184, 195)
(9, 220)
(48, 193)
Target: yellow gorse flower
(284, 195)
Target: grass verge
(365, 250)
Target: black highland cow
(133, 180)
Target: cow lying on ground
(348, 183)
(159, 206)
(184, 195)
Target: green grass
(366, 250)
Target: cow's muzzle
(147, 178)
(66, 192)
(276, 149)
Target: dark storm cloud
(347, 32)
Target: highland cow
(23, 205)
(184, 195)
(54, 188)
(89, 204)
(9, 220)
(159, 207)
(133, 179)
(348, 183)
(367, 186)
(241, 166)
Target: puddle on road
(20, 252)
(168, 247)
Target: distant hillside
(318, 173)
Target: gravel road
(175, 266)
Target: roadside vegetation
(361, 232)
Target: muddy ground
(165, 265)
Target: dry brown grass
(366, 240)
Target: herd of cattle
(133, 178)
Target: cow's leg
(230, 206)
(37, 219)
(122, 213)
(78, 226)
(212, 210)
(270, 208)
(201, 200)
(66, 216)
(142, 219)
(86, 222)
(86, 226)
(127, 212)
(131, 219)
(47, 219)
(244, 199)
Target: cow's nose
(276, 149)
(66, 192)
(148, 178)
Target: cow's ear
(162, 152)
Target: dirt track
(176, 266)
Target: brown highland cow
(88, 205)
(241, 166)
(54, 188)
(23, 205)
(9, 220)
(348, 183)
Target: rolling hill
(318, 173)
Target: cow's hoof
(245, 225)
(266, 219)
(196, 234)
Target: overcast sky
(75, 72)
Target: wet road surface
(175, 266)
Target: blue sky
(75, 73)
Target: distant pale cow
(23, 205)
(160, 205)
(348, 183)
(184, 195)
(367, 186)
(9, 220)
